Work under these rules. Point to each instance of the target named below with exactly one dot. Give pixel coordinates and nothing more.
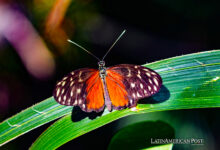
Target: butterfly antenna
(114, 44)
(83, 49)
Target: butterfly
(116, 87)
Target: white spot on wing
(150, 81)
(75, 103)
(145, 69)
(69, 100)
(134, 96)
(156, 82)
(80, 80)
(71, 94)
(139, 76)
(132, 85)
(84, 106)
(64, 82)
(80, 73)
(149, 88)
(78, 91)
(63, 90)
(135, 67)
(145, 92)
(129, 73)
(64, 97)
(80, 101)
(58, 92)
(59, 99)
(141, 85)
(138, 95)
(71, 83)
(155, 88)
(148, 74)
(72, 73)
(64, 78)
(153, 73)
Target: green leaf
(31, 118)
(141, 135)
(192, 81)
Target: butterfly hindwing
(80, 88)
(138, 82)
(116, 89)
(95, 94)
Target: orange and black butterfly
(115, 87)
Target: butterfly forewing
(78, 88)
(138, 81)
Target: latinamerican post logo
(192, 141)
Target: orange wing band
(116, 89)
(95, 97)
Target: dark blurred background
(34, 54)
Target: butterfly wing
(81, 88)
(117, 91)
(128, 83)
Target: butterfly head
(101, 64)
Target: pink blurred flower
(34, 53)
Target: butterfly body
(115, 87)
